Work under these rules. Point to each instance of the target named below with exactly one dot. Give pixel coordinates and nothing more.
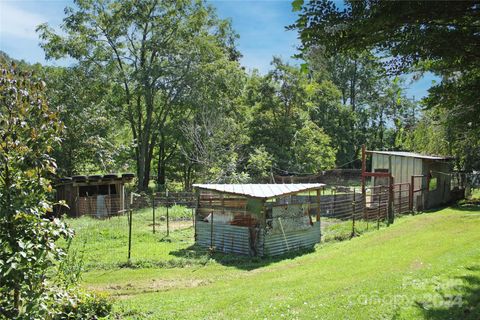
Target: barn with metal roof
(429, 178)
(257, 219)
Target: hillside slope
(424, 266)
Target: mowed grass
(423, 267)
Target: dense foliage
(155, 53)
(29, 254)
(412, 36)
(157, 89)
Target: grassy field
(423, 266)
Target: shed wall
(226, 238)
(278, 243)
(240, 240)
(439, 170)
(402, 167)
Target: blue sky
(260, 24)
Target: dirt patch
(173, 225)
(417, 265)
(123, 291)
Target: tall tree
(90, 141)
(289, 111)
(150, 50)
(411, 36)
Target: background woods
(156, 88)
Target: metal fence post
(318, 213)
(391, 216)
(153, 212)
(130, 235)
(378, 209)
(353, 214)
(410, 200)
(168, 218)
(211, 231)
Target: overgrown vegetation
(29, 255)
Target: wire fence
(159, 229)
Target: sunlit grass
(403, 271)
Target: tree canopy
(411, 36)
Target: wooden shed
(96, 195)
(430, 178)
(257, 219)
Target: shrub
(29, 130)
(84, 306)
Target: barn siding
(402, 167)
(278, 243)
(226, 238)
(235, 239)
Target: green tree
(279, 110)
(151, 51)
(90, 139)
(259, 164)
(411, 36)
(287, 106)
(312, 149)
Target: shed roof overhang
(409, 154)
(262, 191)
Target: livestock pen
(257, 219)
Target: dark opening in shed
(96, 195)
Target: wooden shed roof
(260, 190)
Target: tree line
(157, 88)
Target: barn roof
(260, 190)
(410, 154)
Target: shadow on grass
(468, 206)
(248, 263)
(464, 305)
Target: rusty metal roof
(410, 154)
(260, 190)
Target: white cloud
(15, 22)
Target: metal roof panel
(260, 190)
(410, 154)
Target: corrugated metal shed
(410, 154)
(263, 191)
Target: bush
(29, 130)
(84, 306)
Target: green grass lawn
(424, 266)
